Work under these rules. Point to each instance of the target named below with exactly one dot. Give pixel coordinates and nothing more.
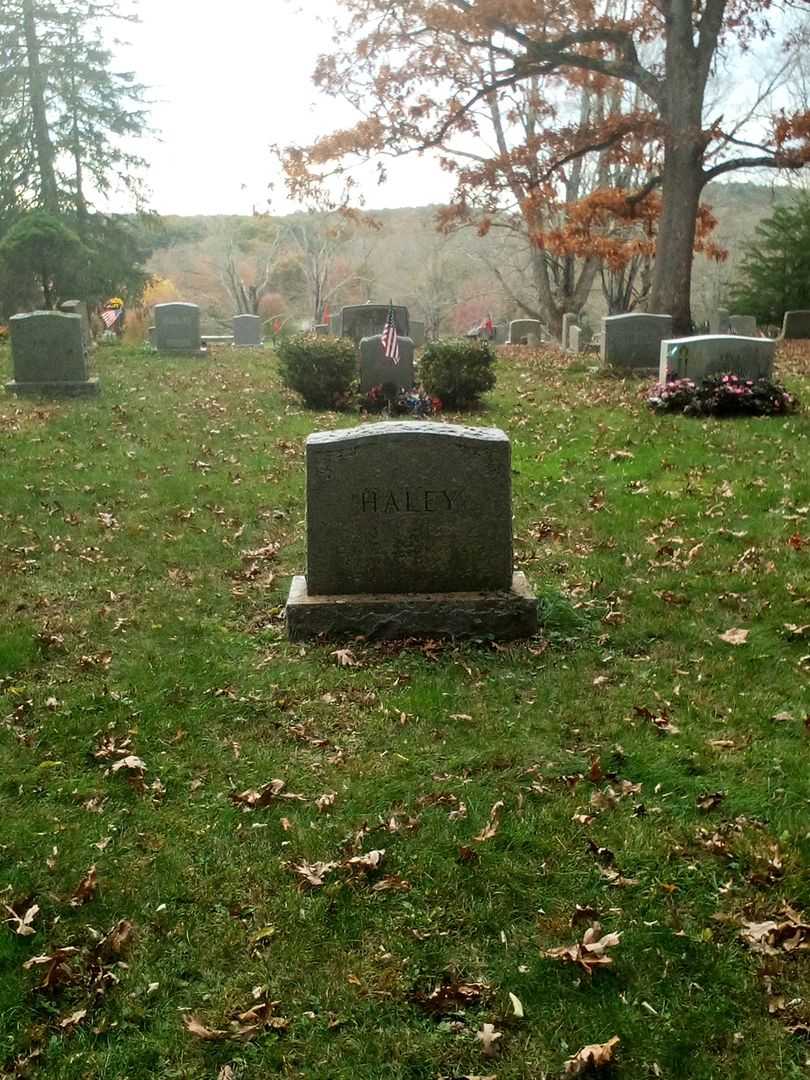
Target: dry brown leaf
(57, 971)
(392, 883)
(451, 996)
(494, 823)
(345, 658)
(200, 1031)
(313, 874)
(325, 801)
(71, 1021)
(710, 800)
(590, 953)
(770, 937)
(595, 1056)
(735, 636)
(86, 889)
(21, 924)
(370, 861)
(256, 800)
(489, 1038)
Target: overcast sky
(228, 79)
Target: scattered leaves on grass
(595, 1056)
(313, 874)
(242, 1026)
(590, 953)
(451, 996)
(771, 937)
(660, 720)
(256, 800)
(56, 968)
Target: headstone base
(502, 616)
(87, 388)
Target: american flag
(111, 316)
(390, 341)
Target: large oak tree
(419, 70)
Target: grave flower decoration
(722, 395)
(114, 303)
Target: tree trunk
(49, 194)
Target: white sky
(228, 80)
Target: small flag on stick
(111, 316)
(390, 341)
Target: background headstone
(49, 355)
(417, 334)
(519, 330)
(746, 325)
(716, 354)
(574, 333)
(501, 333)
(366, 320)
(334, 325)
(177, 328)
(568, 320)
(247, 330)
(719, 321)
(377, 370)
(796, 324)
(78, 307)
(633, 342)
(321, 329)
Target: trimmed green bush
(323, 370)
(458, 371)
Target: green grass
(128, 608)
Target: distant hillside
(447, 280)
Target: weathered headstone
(796, 324)
(716, 354)
(334, 325)
(377, 370)
(366, 320)
(49, 357)
(177, 328)
(78, 307)
(745, 325)
(409, 533)
(568, 320)
(501, 333)
(574, 334)
(633, 342)
(719, 321)
(519, 330)
(417, 334)
(321, 329)
(247, 331)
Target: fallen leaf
(345, 658)
(86, 889)
(451, 996)
(517, 1006)
(313, 874)
(491, 828)
(256, 800)
(595, 1056)
(72, 1020)
(590, 953)
(325, 801)
(21, 924)
(735, 636)
(710, 800)
(489, 1038)
(200, 1031)
(370, 861)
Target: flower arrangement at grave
(115, 303)
(415, 402)
(722, 395)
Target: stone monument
(716, 354)
(719, 321)
(745, 325)
(377, 370)
(49, 355)
(78, 307)
(520, 329)
(247, 331)
(366, 320)
(177, 329)
(796, 324)
(633, 342)
(417, 334)
(409, 533)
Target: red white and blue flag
(390, 340)
(111, 316)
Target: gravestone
(377, 370)
(796, 324)
(321, 329)
(247, 331)
(745, 325)
(417, 334)
(334, 325)
(49, 357)
(78, 307)
(719, 322)
(568, 320)
(501, 333)
(716, 354)
(409, 533)
(177, 328)
(366, 320)
(574, 334)
(633, 342)
(519, 330)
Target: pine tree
(775, 272)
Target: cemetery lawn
(630, 766)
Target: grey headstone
(334, 325)
(568, 320)
(796, 324)
(321, 329)
(633, 342)
(417, 334)
(409, 507)
(366, 320)
(745, 325)
(177, 328)
(574, 333)
(519, 330)
(48, 354)
(377, 370)
(501, 333)
(715, 354)
(247, 330)
(78, 307)
(719, 322)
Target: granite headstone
(716, 354)
(78, 307)
(177, 328)
(633, 342)
(796, 324)
(417, 334)
(719, 321)
(49, 355)
(366, 320)
(409, 532)
(745, 325)
(247, 331)
(520, 329)
(377, 370)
